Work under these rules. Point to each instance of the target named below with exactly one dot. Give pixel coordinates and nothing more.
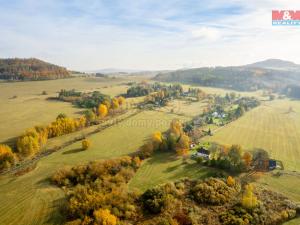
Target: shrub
(104, 217)
(7, 157)
(236, 216)
(85, 144)
(153, 200)
(213, 191)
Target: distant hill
(276, 64)
(30, 69)
(273, 74)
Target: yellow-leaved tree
(249, 200)
(107, 103)
(104, 217)
(102, 110)
(114, 103)
(121, 100)
(230, 181)
(7, 157)
(176, 127)
(157, 137)
(85, 144)
(28, 144)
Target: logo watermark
(286, 17)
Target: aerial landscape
(149, 113)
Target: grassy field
(164, 167)
(30, 199)
(30, 108)
(186, 108)
(270, 127)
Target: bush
(153, 200)
(213, 191)
(85, 144)
(236, 216)
(104, 217)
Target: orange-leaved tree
(102, 110)
(247, 157)
(7, 157)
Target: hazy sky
(146, 34)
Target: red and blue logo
(286, 17)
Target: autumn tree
(249, 200)
(115, 103)
(176, 127)
(157, 137)
(182, 146)
(247, 157)
(102, 110)
(90, 116)
(107, 104)
(230, 181)
(28, 144)
(104, 217)
(61, 116)
(234, 154)
(7, 157)
(121, 100)
(85, 144)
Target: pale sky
(146, 34)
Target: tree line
(34, 139)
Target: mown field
(271, 127)
(30, 199)
(165, 167)
(186, 108)
(29, 107)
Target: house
(202, 152)
(215, 114)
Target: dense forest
(30, 69)
(241, 78)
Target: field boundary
(27, 163)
